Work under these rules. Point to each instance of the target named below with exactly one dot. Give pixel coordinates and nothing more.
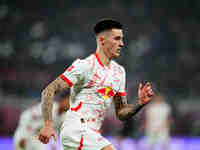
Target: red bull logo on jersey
(106, 92)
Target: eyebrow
(118, 37)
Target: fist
(45, 134)
(145, 93)
(22, 143)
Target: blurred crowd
(38, 41)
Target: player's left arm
(124, 110)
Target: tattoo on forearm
(129, 111)
(47, 104)
(48, 96)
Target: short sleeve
(76, 72)
(122, 90)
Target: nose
(121, 44)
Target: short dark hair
(107, 24)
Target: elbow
(43, 92)
(122, 116)
(47, 92)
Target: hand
(145, 93)
(22, 143)
(45, 134)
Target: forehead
(116, 32)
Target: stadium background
(39, 39)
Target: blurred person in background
(31, 121)
(157, 124)
(95, 83)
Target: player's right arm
(73, 75)
(22, 143)
(58, 85)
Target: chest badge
(106, 92)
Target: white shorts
(75, 135)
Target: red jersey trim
(66, 80)
(77, 107)
(121, 94)
(81, 144)
(98, 59)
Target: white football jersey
(93, 86)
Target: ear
(101, 38)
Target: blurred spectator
(157, 123)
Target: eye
(118, 38)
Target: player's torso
(95, 93)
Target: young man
(95, 82)
(31, 121)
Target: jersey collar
(98, 59)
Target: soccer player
(95, 83)
(31, 121)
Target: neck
(103, 57)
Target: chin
(116, 56)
